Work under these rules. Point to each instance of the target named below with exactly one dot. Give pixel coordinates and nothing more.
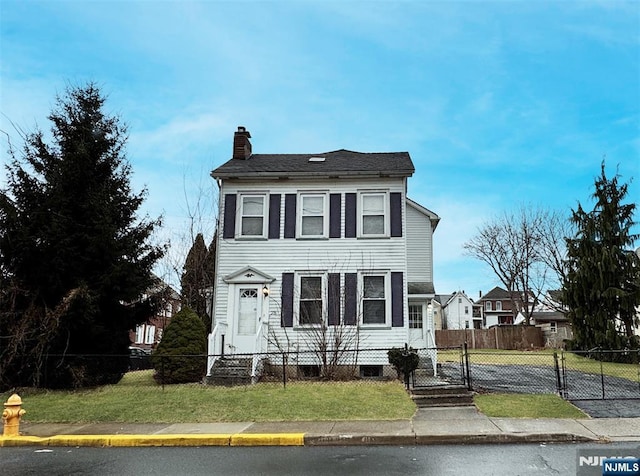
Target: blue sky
(499, 103)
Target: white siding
(419, 246)
(336, 255)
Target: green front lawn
(510, 405)
(138, 399)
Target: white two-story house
(320, 251)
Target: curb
(413, 440)
(287, 439)
(239, 439)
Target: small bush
(404, 360)
(181, 355)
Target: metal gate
(599, 375)
(442, 366)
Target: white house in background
(320, 241)
(458, 312)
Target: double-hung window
(498, 305)
(253, 212)
(375, 299)
(373, 214)
(487, 306)
(310, 309)
(313, 215)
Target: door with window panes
(417, 325)
(248, 308)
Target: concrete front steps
(442, 396)
(230, 371)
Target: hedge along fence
(498, 337)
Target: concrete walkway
(461, 425)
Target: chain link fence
(572, 375)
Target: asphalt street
(480, 460)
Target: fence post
(284, 372)
(556, 365)
(162, 371)
(467, 366)
(601, 372)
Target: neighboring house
(460, 312)
(147, 335)
(497, 307)
(555, 326)
(549, 316)
(319, 244)
(436, 307)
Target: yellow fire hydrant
(11, 415)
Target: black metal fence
(572, 375)
(595, 375)
(600, 375)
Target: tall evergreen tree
(601, 289)
(196, 280)
(75, 257)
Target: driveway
(583, 390)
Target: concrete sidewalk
(460, 425)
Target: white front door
(417, 325)
(248, 312)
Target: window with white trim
(310, 301)
(373, 214)
(375, 299)
(140, 334)
(313, 214)
(253, 213)
(498, 305)
(150, 334)
(553, 327)
(487, 306)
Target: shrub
(404, 360)
(181, 355)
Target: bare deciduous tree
(525, 250)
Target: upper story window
(373, 214)
(253, 213)
(313, 215)
(487, 306)
(310, 306)
(375, 299)
(466, 309)
(498, 305)
(553, 326)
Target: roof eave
(335, 174)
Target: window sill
(307, 327)
(375, 327)
(312, 238)
(251, 238)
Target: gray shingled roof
(337, 163)
(420, 288)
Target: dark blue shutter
(274, 216)
(335, 205)
(286, 319)
(397, 300)
(350, 216)
(229, 226)
(350, 298)
(333, 301)
(396, 213)
(290, 215)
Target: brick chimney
(241, 144)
